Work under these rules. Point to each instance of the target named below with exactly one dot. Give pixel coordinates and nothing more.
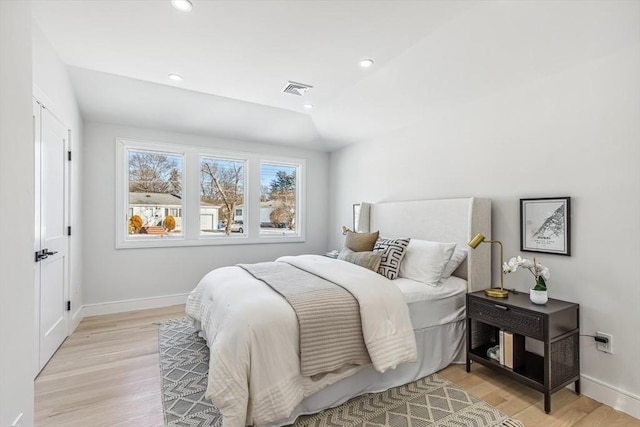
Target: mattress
(433, 305)
(428, 305)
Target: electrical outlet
(17, 422)
(607, 347)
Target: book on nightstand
(513, 350)
(501, 342)
(508, 349)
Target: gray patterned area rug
(429, 402)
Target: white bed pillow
(459, 255)
(425, 261)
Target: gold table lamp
(491, 292)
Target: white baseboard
(133, 304)
(76, 318)
(620, 400)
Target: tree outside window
(222, 190)
(278, 199)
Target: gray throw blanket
(328, 317)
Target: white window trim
(191, 196)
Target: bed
(256, 379)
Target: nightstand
(555, 324)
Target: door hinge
(68, 305)
(69, 231)
(68, 155)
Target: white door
(51, 233)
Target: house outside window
(155, 188)
(221, 188)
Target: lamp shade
(479, 238)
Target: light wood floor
(107, 374)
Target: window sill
(206, 241)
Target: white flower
(545, 273)
(526, 263)
(534, 267)
(512, 265)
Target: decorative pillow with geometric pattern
(393, 251)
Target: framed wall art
(545, 225)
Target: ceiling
(235, 57)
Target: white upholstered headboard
(443, 220)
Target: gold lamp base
(496, 293)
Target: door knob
(47, 253)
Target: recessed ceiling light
(182, 5)
(175, 77)
(308, 106)
(366, 63)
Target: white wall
(16, 215)
(571, 130)
(52, 87)
(116, 275)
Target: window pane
(278, 199)
(155, 194)
(221, 196)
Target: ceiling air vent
(296, 88)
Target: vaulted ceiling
(237, 56)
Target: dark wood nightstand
(555, 324)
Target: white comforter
(252, 332)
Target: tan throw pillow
(360, 242)
(366, 259)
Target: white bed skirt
(448, 348)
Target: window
(221, 192)
(278, 199)
(155, 194)
(177, 195)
